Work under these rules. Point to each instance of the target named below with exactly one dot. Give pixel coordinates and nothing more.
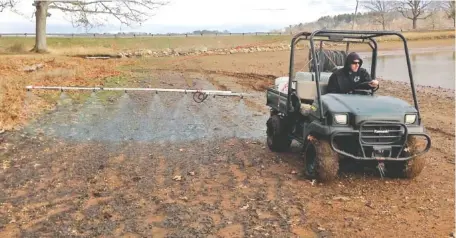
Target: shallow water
(430, 67)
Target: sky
(181, 16)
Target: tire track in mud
(438, 130)
(253, 81)
(225, 73)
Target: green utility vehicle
(359, 126)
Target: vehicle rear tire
(277, 136)
(410, 168)
(320, 161)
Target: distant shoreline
(111, 45)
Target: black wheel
(277, 137)
(320, 161)
(410, 168)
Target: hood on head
(350, 58)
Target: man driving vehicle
(346, 79)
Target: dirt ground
(165, 166)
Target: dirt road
(164, 166)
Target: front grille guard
(364, 144)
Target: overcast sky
(182, 16)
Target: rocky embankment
(168, 52)
(200, 51)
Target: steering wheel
(358, 90)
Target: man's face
(354, 66)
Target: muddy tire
(320, 161)
(277, 137)
(407, 169)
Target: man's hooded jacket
(344, 80)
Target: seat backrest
(306, 87)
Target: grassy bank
(18, 106)
(74, 46)
(113, 45)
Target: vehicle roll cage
(348, 37)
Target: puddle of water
(435, 69)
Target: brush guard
(198, 95)
(371, 136)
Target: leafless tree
(449, 7)
(5, 4)
(89, 13)
(380, 9)
(414, 9)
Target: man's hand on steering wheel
(373, 83)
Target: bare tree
(381, 11)
(449, 8)
(5, 4)
(414, 10)
(89, 13)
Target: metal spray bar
(218, 92)
(199, 95)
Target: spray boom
(198, 95)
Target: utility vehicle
(359, 126)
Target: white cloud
(194, 14)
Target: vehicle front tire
(407, 169)
(320, 161)
(277, 136)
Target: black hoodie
(344, 80)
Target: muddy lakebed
(162, 165)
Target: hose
(199, 97)
(328, 59)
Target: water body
(433, 67)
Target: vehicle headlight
(410, 118)
(340, 118)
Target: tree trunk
(414, 23)
(41, 16)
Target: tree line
(383, 13)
